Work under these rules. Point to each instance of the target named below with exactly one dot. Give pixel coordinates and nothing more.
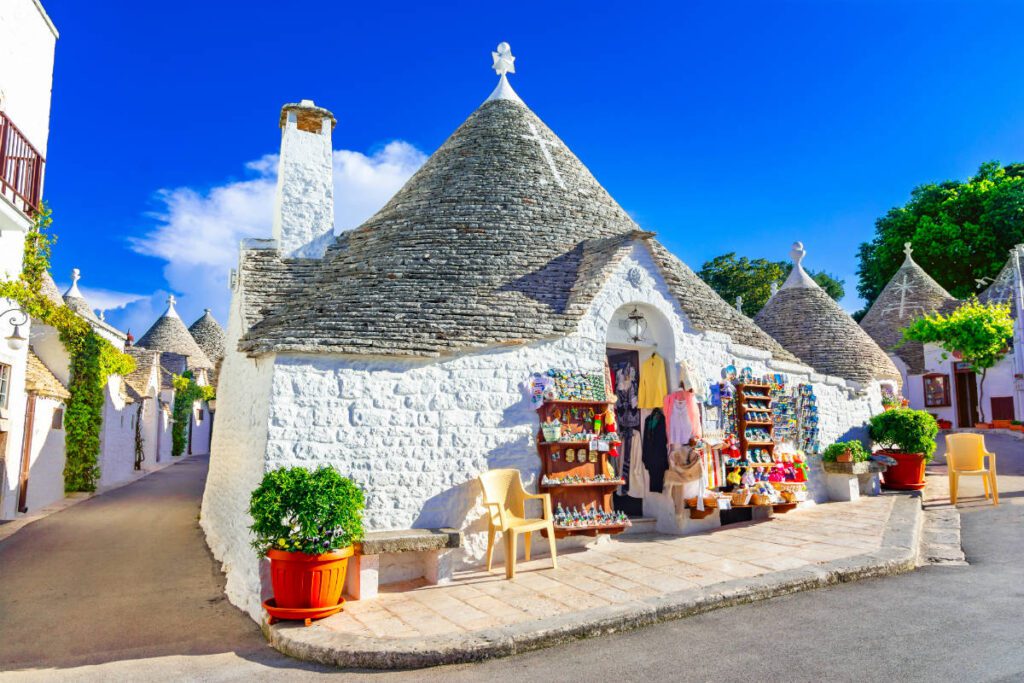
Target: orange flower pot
(982, 425)
(308, 581)
(907, 474)
(1000, 424)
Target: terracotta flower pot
(1017, 428)
(845, 456)
(982, 425)
(308, 581)
(907, 474)
(1000, 424)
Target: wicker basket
(741, 496)
(760, 499)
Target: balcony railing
(21, 168)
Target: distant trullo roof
(1004, 285)
(493, 241)
(805, 320)
(911, 293)
(209, 335)
(170, 334)
(75, 301)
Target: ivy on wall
(93, 358)
(186, 393)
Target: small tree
(979, 333)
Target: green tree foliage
(186, 393)
(93, 359)
(979, 333)
(733, 276)
(961, 231)
(296, 510)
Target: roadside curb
(897, 555)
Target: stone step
(940, 538)
(641, 525)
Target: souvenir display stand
(575, 468)
(762, 473)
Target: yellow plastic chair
(965, 454)
(505, 499)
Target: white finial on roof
(504, 63)
(798, 277)
(774, 288)
(739, 304)
(102, 315)
(908, 250)
(73, 290)
(170, 312)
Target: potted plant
(944, 424)
(1016, 426)
(306, 523)
(907, 436)
(845, 451)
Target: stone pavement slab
(628, 582)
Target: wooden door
(966, 398)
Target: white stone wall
(200, 444)
(304, 201)
(12, 419)
(415, 434)
(999, 382)
(46, 470)
(237, 465)
(117, 437)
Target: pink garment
(682, 417)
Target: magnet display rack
(754, 398)
(597, 495)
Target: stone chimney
(304, 202)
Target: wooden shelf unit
(597, 495)
(754, 398)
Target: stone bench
(848, 480)
(435, 547)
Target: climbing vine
(93, 358)
(186, 393)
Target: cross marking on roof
(903, 287)
(545, 151)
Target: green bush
(856, 448)
(906, 431)
(296, 510)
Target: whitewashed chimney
(304, 202)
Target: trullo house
(401, 352)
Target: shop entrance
(966, 396)
(625, 370)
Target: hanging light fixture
(16, 341)
(636, 325)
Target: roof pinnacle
(908, 250)
(504, 64)
(798, 277)
(170, 312)
(73, 290)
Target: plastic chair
(505, 499)
(965, 454)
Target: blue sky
(721, 126)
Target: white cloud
(197, 233)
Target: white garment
(679, 428)
(637, 472)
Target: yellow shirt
(653, 386)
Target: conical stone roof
(910, 294)
(169, 334)
(486, 244)
(209, 335)
(804, 318)
(76, 302)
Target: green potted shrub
(845, 451)
(306, 523)
(907, 436)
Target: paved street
(172, 624)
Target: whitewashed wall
(415, 434)
(117, 437)
(12, 420)
(201, 431)
(46, 471)
(999, 382)
(27, 41)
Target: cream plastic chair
(965, 454)
(505, 499)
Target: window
(5, 384)
(936, 391)
(58, 418)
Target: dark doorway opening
(966, 396)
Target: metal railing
(21, 168)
